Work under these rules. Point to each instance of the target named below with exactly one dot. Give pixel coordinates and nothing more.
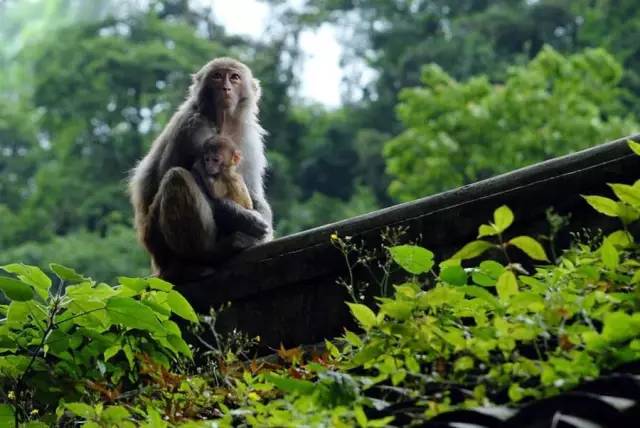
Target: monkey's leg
(184, 215)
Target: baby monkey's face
(215, 159)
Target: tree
(460, 132)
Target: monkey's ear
(196, 83)
(236, 157)
(257, 90)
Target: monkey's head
(225, 84)
(220, 156)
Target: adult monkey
(176, 222)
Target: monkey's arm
(231, 217)
(238, 191)
(261, 205)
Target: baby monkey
(216, 172)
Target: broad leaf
(634, 146)
(398, 309)
(15, 289)
(502, 218)
(507, 285)
(32, 275)
(7, 418)
(136, 284)
(609, 255)
(66, 273)
(472, 249)
(486, 230)
(620, 238)
(159, 284)
(181, 307)
(115, 414)
(363, 314)
(289, 385)
(617, 326)
(530, 246)
(626, 193)
(133, 314)
(81, 409)
(454, 275)
(603, 205)
(482, 294)
(413, 259)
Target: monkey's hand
(231, 217)
(241, 241)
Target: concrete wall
(285, 291)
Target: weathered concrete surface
(285, 291)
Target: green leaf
(627, 213)
(482, 294)
(502, 218)
(515, 392)
(181, 307)
(635, 147)
(463, 363)
(66, 273)
(603, 205)
(159, 284)
(530, 246)
(507, 285)
(111, 351)
(352, 338)
(617, 326)
(413, 259)
(398, 309)
(454, 275)
(363, 314)
(15, 289)
(133, 314)
(487, 230)
(7, 418)
(136, 284)
(115, 414)
(32, 275)
(487, 273)
(620, 238)
(472, 249)
(34, 424)
(626, 193)
(609, 255)
(81, 409)
(360, 416)
(291, 386)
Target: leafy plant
(81, 340)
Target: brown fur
(225, 181)
(173, 218)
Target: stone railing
(285, 291)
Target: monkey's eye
(217, 75)
(235, 76)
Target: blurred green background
(435, 94)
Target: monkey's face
(213, 161)
(228, 86)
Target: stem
(78, 315)
(51, 325)
(504, 248)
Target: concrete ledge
(285, 291)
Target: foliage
(78, 340)
(456, 131)
(453, 335)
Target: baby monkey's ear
(236, 157)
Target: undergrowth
(450, 335)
